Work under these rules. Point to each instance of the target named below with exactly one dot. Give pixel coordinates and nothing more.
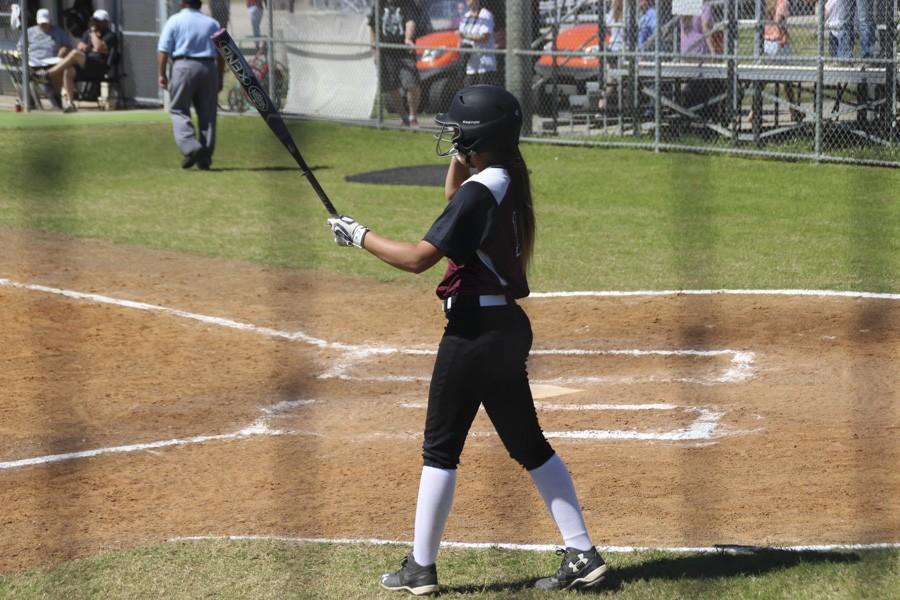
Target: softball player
(487, 234)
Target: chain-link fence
(787, 78)
(778, 77)
(784, 78)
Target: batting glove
(347, 232)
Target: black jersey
(479, 234)
(393, 18)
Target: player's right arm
(406, 256)
(457, 233)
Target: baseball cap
(100, 15)
(43, 16)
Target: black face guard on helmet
(481, 118)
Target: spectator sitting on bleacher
(698, 39)
(48, 44)
(646, 25)
(696, 33)
(777, 41)
(839, 23)
(91, 60)
(615, 42)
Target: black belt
(200, 58)
(483, 301)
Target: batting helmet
(481, 118)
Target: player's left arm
(457, 173)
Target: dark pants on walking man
(194, 83)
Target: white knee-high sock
(553, 481)
(436, 489)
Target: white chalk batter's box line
(717, 549)
(705, 428)
(740, 369)
(261, 426)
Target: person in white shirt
(614, 24)
(839, 16)
(476, 31)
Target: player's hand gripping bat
(266, 108)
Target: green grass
(12, 120)
(262, 569)
(608, 218)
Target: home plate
(540, 391)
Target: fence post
(518, 68)
(731, 91)
(758, 45)
(888, 53)
(162, 15)
(663, 16)
(26, 74)
(601, 45)
(634, 93)
(657, 99)
(270, 53)
(554, 89)
(379, 96)
(820, 76)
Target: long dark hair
(520, 192)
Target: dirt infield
(229, 398)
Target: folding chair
(13, 65)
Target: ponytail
(520, 188)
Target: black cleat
(412, 578)
(580, 569)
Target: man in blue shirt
(197, 71)
(646, 24)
